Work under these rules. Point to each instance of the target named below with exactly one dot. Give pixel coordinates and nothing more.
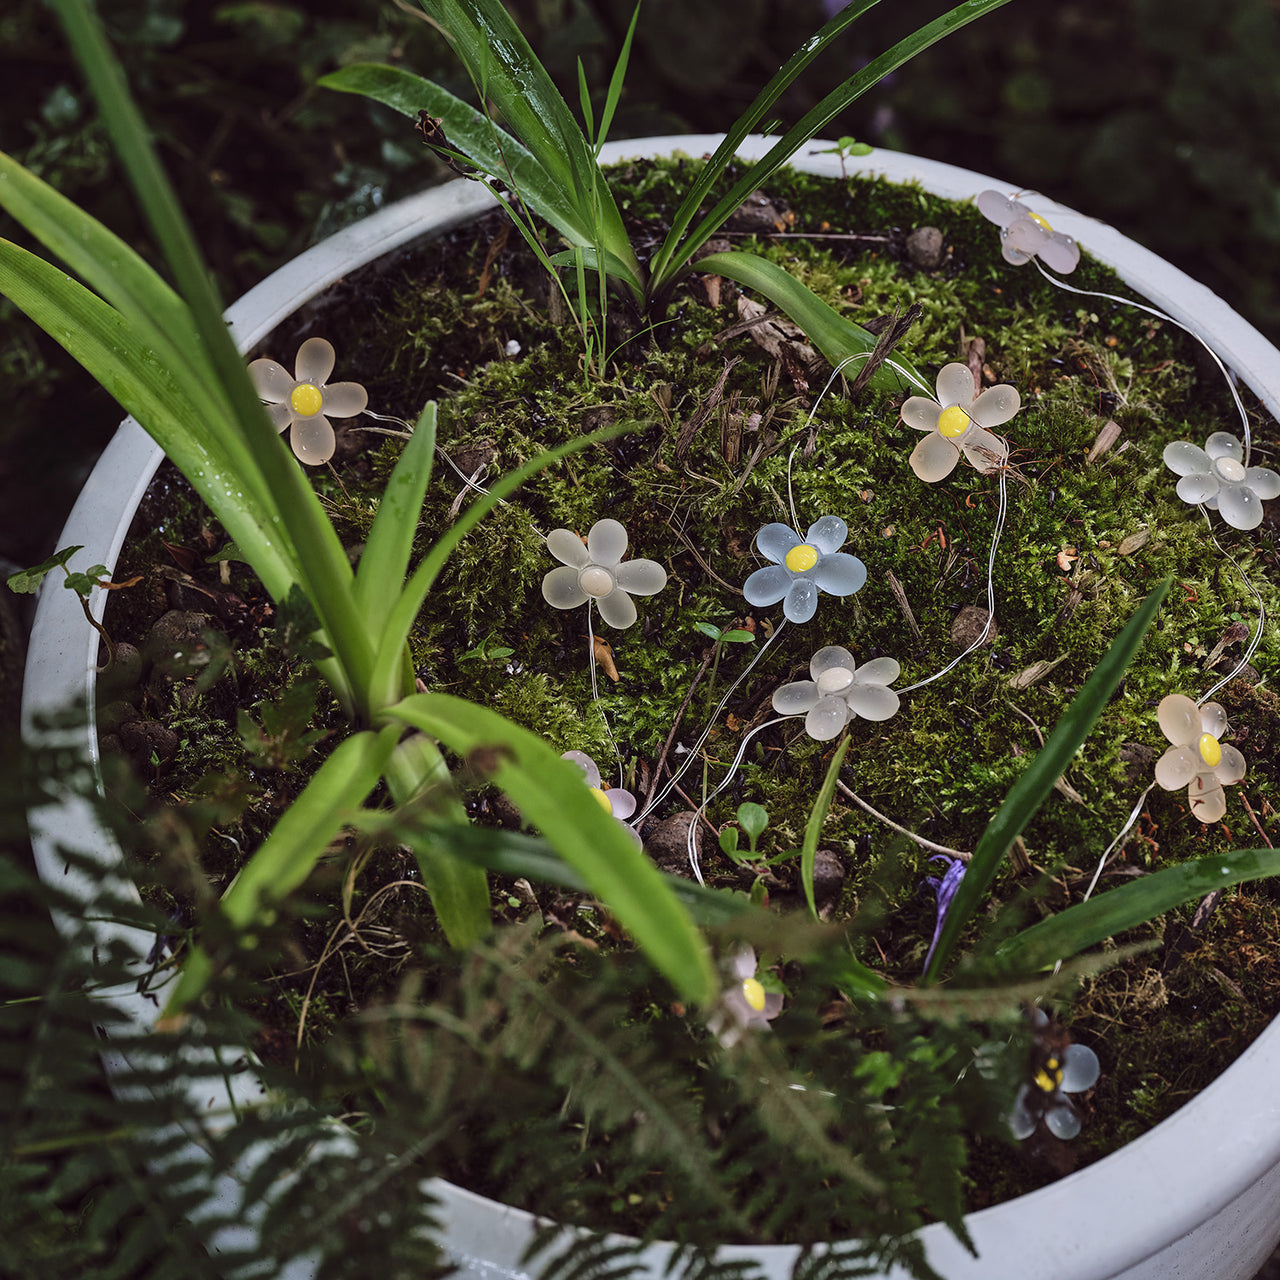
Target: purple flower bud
(945, 888)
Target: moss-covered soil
(717, 436)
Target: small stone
(828, 880)
(123, 678)
(1138, 760)
(926, 248)
(668, 844)
(141, 739)
(762, 214)
(968, 624)
(114, 714)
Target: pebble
(926, 248)
(967, 626)
(668, 844)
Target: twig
(697, 555)
(706, 822)
(911, 835)
(671, 737)
(901, 597)
(1253, 817)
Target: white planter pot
(1194, 1198)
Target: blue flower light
(802, 567)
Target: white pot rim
(1139, 1199)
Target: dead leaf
(1066, 557)
(604, 656)
(1134, 541)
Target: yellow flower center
(1210, 751)
(305, 400)
(1049, 1077)
(953, 422)
(1041, 223)
(802, 558)
(753, 994)
(604, 799)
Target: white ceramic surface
(1197, 1197)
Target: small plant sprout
(845, 148)
(1217, 477)
(722, 637)
(802, 567)
(744, 1005)
(1058, 1067)
(595, 572)
(753, 819)
(945, 888)
(1197, 760)
(302, 402)
(1025, 234)
(959, 420)
(839, 692)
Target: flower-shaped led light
(594, 572)
(305, 400)
(958, 420)
(1058, 1070)
(1216, 475)
(745, 1005)
(621, 804)
(839, 692)
(1197, 760)
(804, 566)
(1024, 234)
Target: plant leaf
(813, 828)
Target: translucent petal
(796, 698)
(995, 406)
(1222, 444)
(743, 963)
(1021, 1122)
(827, 534)
(1026, 234)
(617, 609)
(280, 414)
(568, 548)
(879, 671)
(1011, 253)
(315, 361)
(1062, 1121)
(641, 577)
(622, 803)
(1200, 486)
(955, 385)
(1079, 1068)
(1207, 799)
(801, 601)
(586, 764)
(767, 585)
(934, 458)
(998, 208)
(1185, 459)
(985, 451)
(344, 399)
(826, 719)
(1263, 481)
(1179, 719)
(272, 381)
(313, 440)
(1177, 767)
(772, 1005)
(560, 588)
(1061, 254)
(840, 574)
(872, 701)
(775, 540)
(1213, 719)
(1231, 768)
(1239, 506)
(828, 659)
(921, 414)
(606, 542)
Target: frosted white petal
(934, 458)
(272, 381)
(344, 399)
(1011, 253)
(743, 963)
(879, 671)
(801, 600)
(622, 803)
(642, 577)
(826, 719)
(921, 414)
(1184, 458)
(985, 451)
(560, 589)
(567, 547)
(1231, 768)
(827, 534)
(1179, 719)
(1060, 253)
(1222, 444)
(767, 585)
(1177, 767)
(315, 361)
(775, 540)
(1079, 1068)
(999, 208)
(1240, 508)
(313, 440)
(617, 609)
(1062, 1121)
(1021, 1122)
(796, 698)
(828, 658)
(606, 542)
(1213, 719)
(1207, 799)
(280, 414)
(1197, 487)
(995, 406)
(955, 385)
(1026, 234)
(840, 574)
(872, 701)
(1263, 481)
(586, 764)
